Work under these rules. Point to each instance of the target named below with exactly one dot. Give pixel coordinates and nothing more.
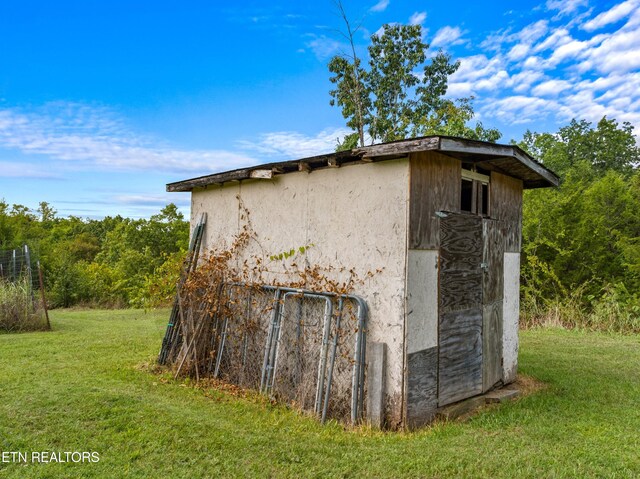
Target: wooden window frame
(477, 181)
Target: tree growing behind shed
(399, 94)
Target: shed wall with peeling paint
(353, 217)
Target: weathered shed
(440, 216)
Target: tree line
(113, 262)
(581, 241)
(580, 248)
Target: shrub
(18, 311)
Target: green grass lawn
(81, 388)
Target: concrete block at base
(501, 395)
(376, 387)
(460, 408)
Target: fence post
(27, 259)
(44, 301)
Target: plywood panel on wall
(434, 186)
(460, 358)
(460, 308)
(493, 260)
(422, 386)
(506, 206)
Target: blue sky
(103, 103)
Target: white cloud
(448, 36)
(551, 88)
(532, 33)
(324, 47)
(381, 6)
(617, 51)
(521, 82)
(493, 82)
(613, 15)
(290, 144)
(557, 39)
(518, 109)
(518, 51)
(495, 40)
(477, 67)
(568, 51)
(460, 89)
(533, 62)
(151, 200)
(417, 18)
(86, 135)
(17, 169)
(565, 7)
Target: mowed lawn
(82, 388)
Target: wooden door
(460, 307)
(492, 296)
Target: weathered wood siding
(492, 292)
(460, 308)
(435, 186)
(506, 206)
(422, 387)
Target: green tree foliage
(401, 94)
(114, 261)
(585, 235)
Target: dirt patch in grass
(527, 385)
(471, 407)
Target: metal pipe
(299, 343)
(223, 336)
(247, 320)
(322, 367)
(336, 335)
(267, 350)
(276, 347)
(356, 401)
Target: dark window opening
(485, 199)
(466, 197)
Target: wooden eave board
(507, 159)
(306, 164)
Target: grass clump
(18, 311)
(614, 310)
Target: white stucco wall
(511, 316)
(422, 300)
(354, 216)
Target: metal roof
(507, 159)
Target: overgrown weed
(18, 310)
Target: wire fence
(17, 263)
(301, 347)
(22, 301)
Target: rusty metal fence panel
(305, 348)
